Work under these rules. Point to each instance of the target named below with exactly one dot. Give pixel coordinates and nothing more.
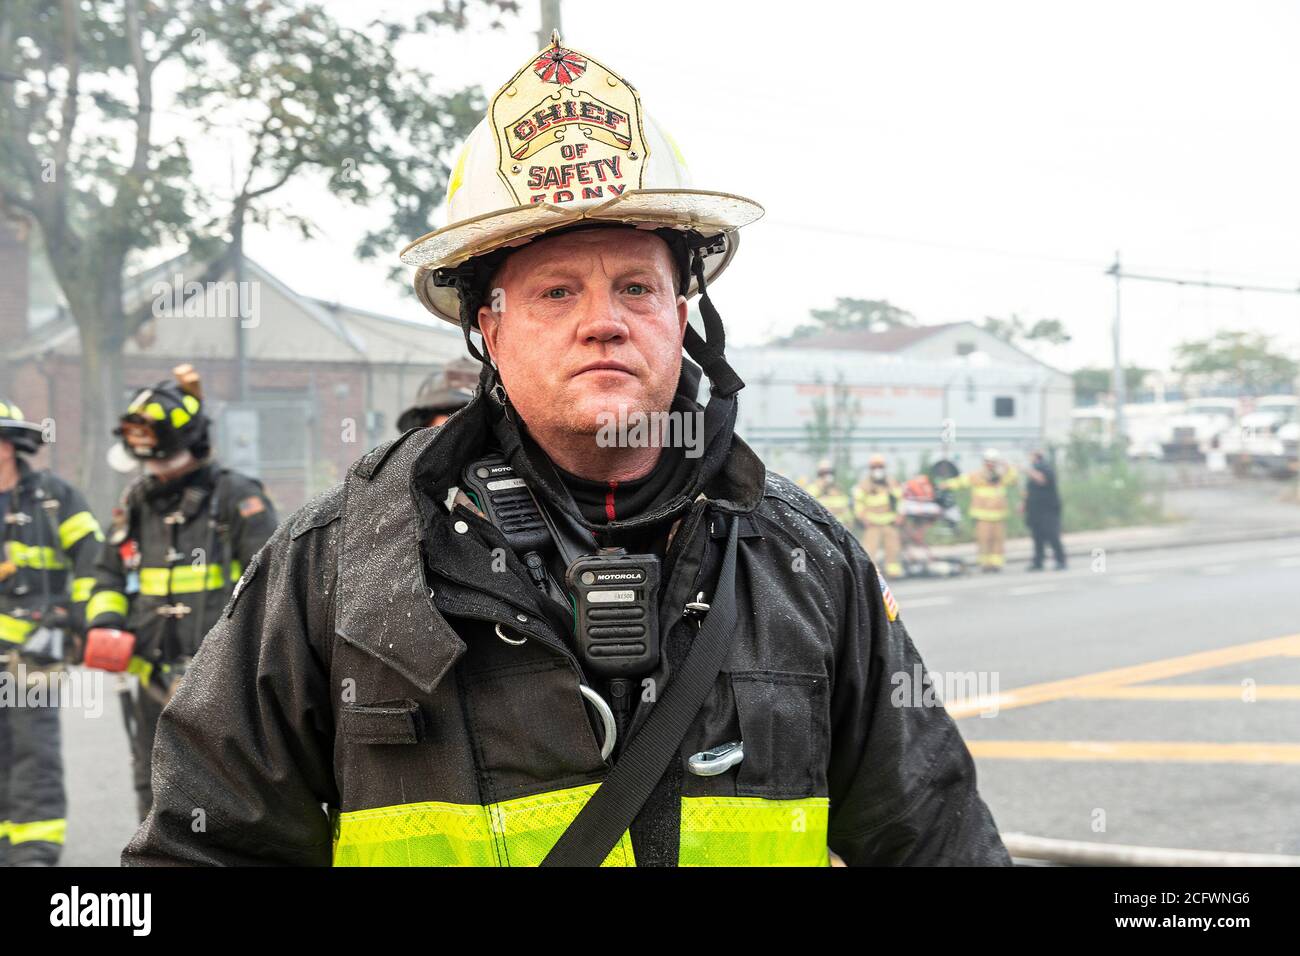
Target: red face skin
(8, 465)
(589, 322)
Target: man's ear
(683, 312)
(488, 325)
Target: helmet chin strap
(707, 350)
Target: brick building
(324, 382)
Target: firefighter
(525, 638)
(50, 540)
(830, 495)
(435, 402)
(876, 505)
(180, 538)
(988, 507)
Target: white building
(938, 391)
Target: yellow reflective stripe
(184, 579)
(106, 602)
(46, 831)
(81, 589)
(752, 831)
(141, 668)
(77, 527)
(236, 570)
(15, 630)
(33, 556)
(511, 833)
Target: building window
(1004, 406)
(965, 348)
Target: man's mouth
(604, 366)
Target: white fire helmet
(992, 455)
(565, 142)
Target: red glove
(108, 648)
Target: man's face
(8, 454)
(589, 322)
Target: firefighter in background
(436, 401)
(181, 536)
(50, 540)
(988, 507)
(875, 504)
(830, 495)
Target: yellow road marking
(1192, 692)
(1135, 750)
(1137, 673)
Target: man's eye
(557, 293)
(637, 288)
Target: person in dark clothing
(48, 543)
(1043, 511)
(181, 537)
(409, 673)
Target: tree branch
(144, 88)
(72, 59)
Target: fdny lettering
(588, 192)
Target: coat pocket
(532, 729)
(784, 726)
(390, 722)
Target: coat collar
(394, 493)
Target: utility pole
(1117, 384)
(550, 22)
(1117, 375)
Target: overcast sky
(960, 159)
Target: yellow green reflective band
(46, 831)
(184, 579)
(752, 831)
(33, 556)
(106, 602)
(511, 833)
(77, 527)
(81, 589)
(15, 630)
(141, 668)
(236, 570)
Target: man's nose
(600, 317)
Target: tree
(834, 421)
(83, 151)
(1016, 331)
(866, 315)
(1245, 360)
(1090, 384)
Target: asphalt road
(1182, 766)
(1171, 715)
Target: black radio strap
(601, 823)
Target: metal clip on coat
(720, 759)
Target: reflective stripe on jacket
(875, 504)
(48, 542)
(988, 499)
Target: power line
(1115, 271)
